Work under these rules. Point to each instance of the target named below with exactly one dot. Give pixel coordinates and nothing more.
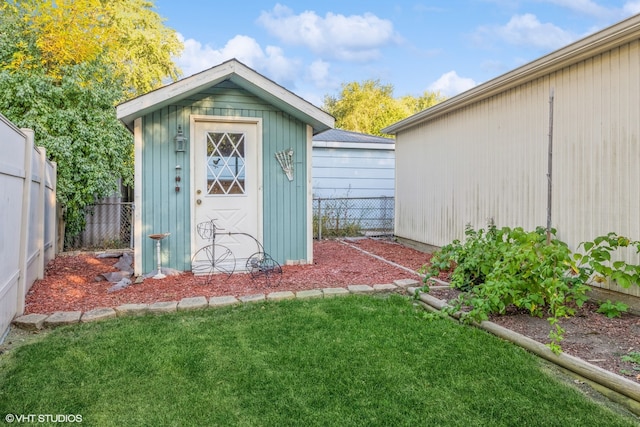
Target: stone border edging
(35, 321)
(616, 383)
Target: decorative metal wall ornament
(285, 158)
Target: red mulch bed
(70, 284)
(70, 281)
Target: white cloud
(605, 15)
(631, 7)
(587, 7)
(350, 38)
(271, 61)
(197, 57)
(318, 73)
(526, 30)
(450, 84)
(278, 67)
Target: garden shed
(484, 153)
(229, 145)
(352, 164)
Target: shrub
(498, 268)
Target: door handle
(198, 201)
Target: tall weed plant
(337, 219)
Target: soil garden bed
(73, 282)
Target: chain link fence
(108, 226)
(353, 216)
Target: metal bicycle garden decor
(219, 259)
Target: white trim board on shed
(239, 74)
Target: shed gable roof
(588, 47)
(239, 74)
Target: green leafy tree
(369, 106)
(77, 125)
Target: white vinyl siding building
(351, 164)
(483, 154)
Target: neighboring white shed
(483, 154)
(352, 164)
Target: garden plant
(506, 267)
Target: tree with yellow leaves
(369, 106)
(126, 34)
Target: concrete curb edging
(627, 389)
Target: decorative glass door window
(225, 163)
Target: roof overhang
(239, 74)
(602, 41)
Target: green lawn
(346, 361)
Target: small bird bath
(158, 238)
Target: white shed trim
(137, 194)
(239, 74)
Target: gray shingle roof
(339, 135)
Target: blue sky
(312, 47)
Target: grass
(353, 360)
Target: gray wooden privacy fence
(27, 217)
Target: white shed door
(226, 185)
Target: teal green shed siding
(163, 209)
